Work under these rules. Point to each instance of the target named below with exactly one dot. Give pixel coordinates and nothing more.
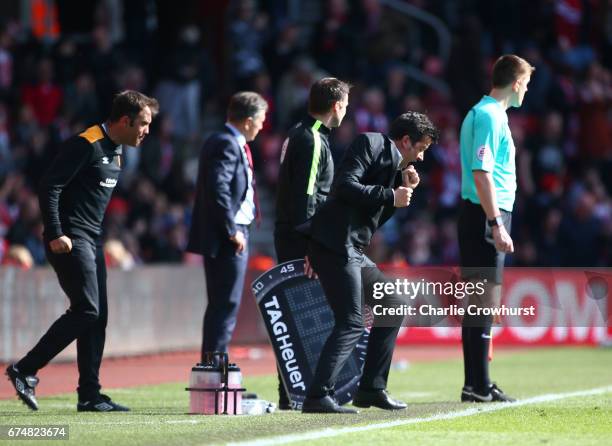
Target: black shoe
(467, 394)
(24, 385)
(493, 394)
(324, 405)
(284, 405)
(377, 398)
(102, 403)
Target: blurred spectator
(548, 152)
(370, 116)
(580, 233)
(569, 18)
(526, 253)
(262, 84)
(448, 246)
(341, 139)
(466, 69)
(18, 256)
(27, 228)
(81, 99)
(26, 125)
(116, 256)
(334, 39)
(539, 87)
(280, 52)
(44, 19)
(446, 176)
(104, 60)
(6, 60)
(595, 105)
(395, 91)
(180, 89)
(389, 37)
(270, 145)
(293, 90)
(67, 60)
(45, 97)
(6, 157)
(419, 243)
(247, 35)
(159, 152)
(548, 248)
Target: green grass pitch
(159, 417)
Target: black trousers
(288, 247)
(82, 276)
(479, 260)
(343, 282)
(478, 257)
(225, 275)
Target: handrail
(430, 81)
(444, 36)
(444, 39)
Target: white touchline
(335, 432)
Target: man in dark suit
(225, 205)
(373, 179)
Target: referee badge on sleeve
(484, 153)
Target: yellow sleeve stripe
(92, 134)
(316, 154)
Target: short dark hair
(325, 92)
(415, 125)
(245, 104)
(508, 68)
(129, 103)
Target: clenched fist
(410, 177)
(61, 245)
(401, 196)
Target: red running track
(175, 367)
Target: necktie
(247, 149)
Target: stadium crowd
(54, 83)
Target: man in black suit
(373, 179)
(225, 205)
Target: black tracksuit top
(76, 189)
(305, 176)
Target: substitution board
(298, 320)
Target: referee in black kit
(488, 187)
(306, 174)
(74, 194)
(373, 179)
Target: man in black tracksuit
(74, 194)
(373, 179)
(306, 174)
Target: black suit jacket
(221, 188)
(361, 197)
